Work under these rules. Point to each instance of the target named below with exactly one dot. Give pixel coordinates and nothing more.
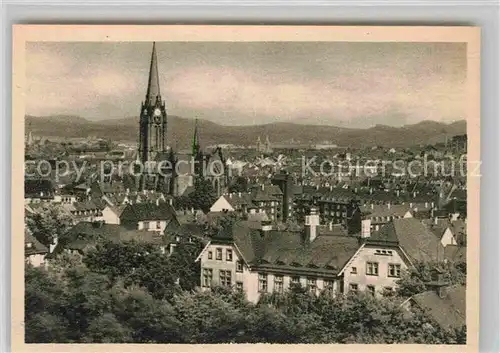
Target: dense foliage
(134, 293)
(201, 198)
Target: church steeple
(153, 90)
(196, 139)
(153, 118)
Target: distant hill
(180, 131)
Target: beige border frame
(111, 33)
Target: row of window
(226, 280)
(295, 280)
(146, 225)
(354, 288)
(218, 255)
(386, 218)
(372, 269)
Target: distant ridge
(180, 130)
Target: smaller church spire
(153, 90)
(196, 139)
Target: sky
(243, 83)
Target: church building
(162, 168)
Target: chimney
(331, 187)
(371, 205)
(371, 191)
(414, 194)
(157, 202)
(426, 205)
(265, 227)
(438, 282)
(435, 220)
(311, 223)
(262, 187)
(171, 202)
(330, 226)
(389, 206)
(397, 193)
(366, 228)
(411, 204)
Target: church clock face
(157, 115)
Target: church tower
(153, 118)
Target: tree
(202, 198)
(415, 279)
(135, 264)
(49, 225)
(183, 265)
(240, 184)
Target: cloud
(253, 93)
(336, 84)
(56, 85)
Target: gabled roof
(455, 253)
(385, 210)
(418, 242)
(35, 248)
(237, 200)
(87, 233)
(268, 193)
(287, 250)
(149, 211)
(448, 312)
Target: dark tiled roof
(456, 206)
(418, 242)
(455, 253)
(87, 233)
(34, 187)
(448, 311)
(32, 246)
(149, 211)
(287, 250)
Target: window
(210, 255)
(229, 255)
(388, 291)
(225, 278)
(29, 245)
(311, 285)
(295, 280)
(353, 287)
(207, 277)
(239, 266)
(371, 290)
(372, 268)
(146, 225)
(158, 224)
(218, 254)
(239, 286)
(278, 284)
(262, 282)
(394, 270)
(328, 285)
(354, 270)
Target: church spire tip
(153, 91)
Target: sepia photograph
(246, 185)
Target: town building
(263, 259)
(34, 251)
